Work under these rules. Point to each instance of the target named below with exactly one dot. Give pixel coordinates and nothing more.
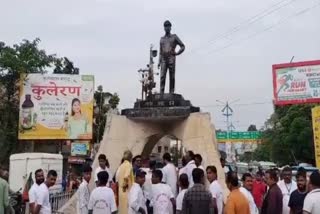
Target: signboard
(56, 106)
(295, 83)
(79, 148)
(316, 134)
(238, 136)
(76, 160)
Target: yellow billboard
(56, 106)
(316, 133)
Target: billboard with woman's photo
(56, 106)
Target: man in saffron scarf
(125, 178)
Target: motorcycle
(16, 204)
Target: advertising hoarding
(56, 106)
(295, 83)
(316, 133)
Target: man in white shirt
(247, 183)
(215, 189)
(162, 197)
(136, 198)
(102, 200)
(169, 173)
(42, 202)
(147, 186)
(198, 161)
(103, 166)
(287, 186)
(190, 166)
(39, 177)
(83, 191)
(311, 203)
(223, 164)
(184, 185)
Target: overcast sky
(111, 39)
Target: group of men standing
(166, 191)
(151, 190)
(289, 197)
(39, 198)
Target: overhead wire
(272, 9)
(237, 104)
(265, 29)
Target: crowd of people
(140, 186)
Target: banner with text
(295, 83)
(316, 134)
(56, 106)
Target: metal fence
(57, 200)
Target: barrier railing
(57, 200)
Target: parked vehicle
(267, 165)
(25, 163)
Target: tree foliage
(105, 101)
(287, 136)
(65, 66)
(25, 57)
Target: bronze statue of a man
(167, 56)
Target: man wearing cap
(137, 201)
(167, 58)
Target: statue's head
(167, 26)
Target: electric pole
(227, 111)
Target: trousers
(164, 68)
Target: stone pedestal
(159, 107)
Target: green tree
(252, 128)
(287, 136)
(64, 66)
(105, 101)
(25, 57)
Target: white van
(22, 164)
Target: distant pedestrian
(184, 185)
(136, 163)
(272, 203)
(169, 173)
(136, 198)
(246, 189)
(224, 167)
(287, 186)
(73, 182)
(103, 166)
(102, 200)
(83, 191)
(34, 190)
(259, 188)
(312, 201)
(215, 189)
(198, 161)
(237, 203)
(197, 199)
(163, 200)
(4, 195)
(297, 197)
(189, 157)
(42, 202)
